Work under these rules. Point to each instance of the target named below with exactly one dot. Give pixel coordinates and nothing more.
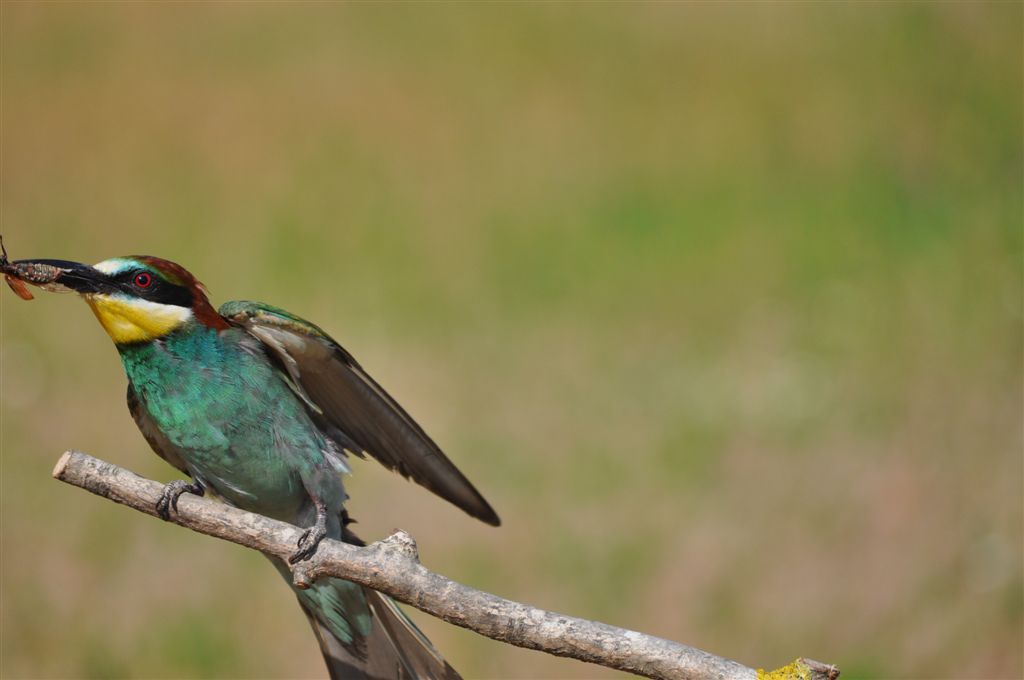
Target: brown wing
(351, 407)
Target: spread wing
(351, 407)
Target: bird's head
(137, 299)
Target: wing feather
(351, 407)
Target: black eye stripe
(157, 290)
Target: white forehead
(113, 265)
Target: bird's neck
(192, 347)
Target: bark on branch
(392, 566)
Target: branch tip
(62, 465)
(801, 669)
(826, 671)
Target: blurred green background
(720, 306)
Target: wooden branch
(392, 566)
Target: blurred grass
(720, 305)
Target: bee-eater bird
(259, 407)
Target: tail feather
(395, 648)
(364, 635)
(392, 649)
(418, 655)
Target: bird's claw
(309, 540)
(170, 495)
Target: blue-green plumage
(260, 408)
(236, 424)
(241, 432)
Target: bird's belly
(249, 452)
(230, 417)
(250, 479)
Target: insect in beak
(58, 276)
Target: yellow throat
(129, 320)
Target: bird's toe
(307, 544)
(171, 493)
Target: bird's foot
(172, 492)
(310, 538)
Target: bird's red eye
(143, 280)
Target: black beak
(59, 275)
